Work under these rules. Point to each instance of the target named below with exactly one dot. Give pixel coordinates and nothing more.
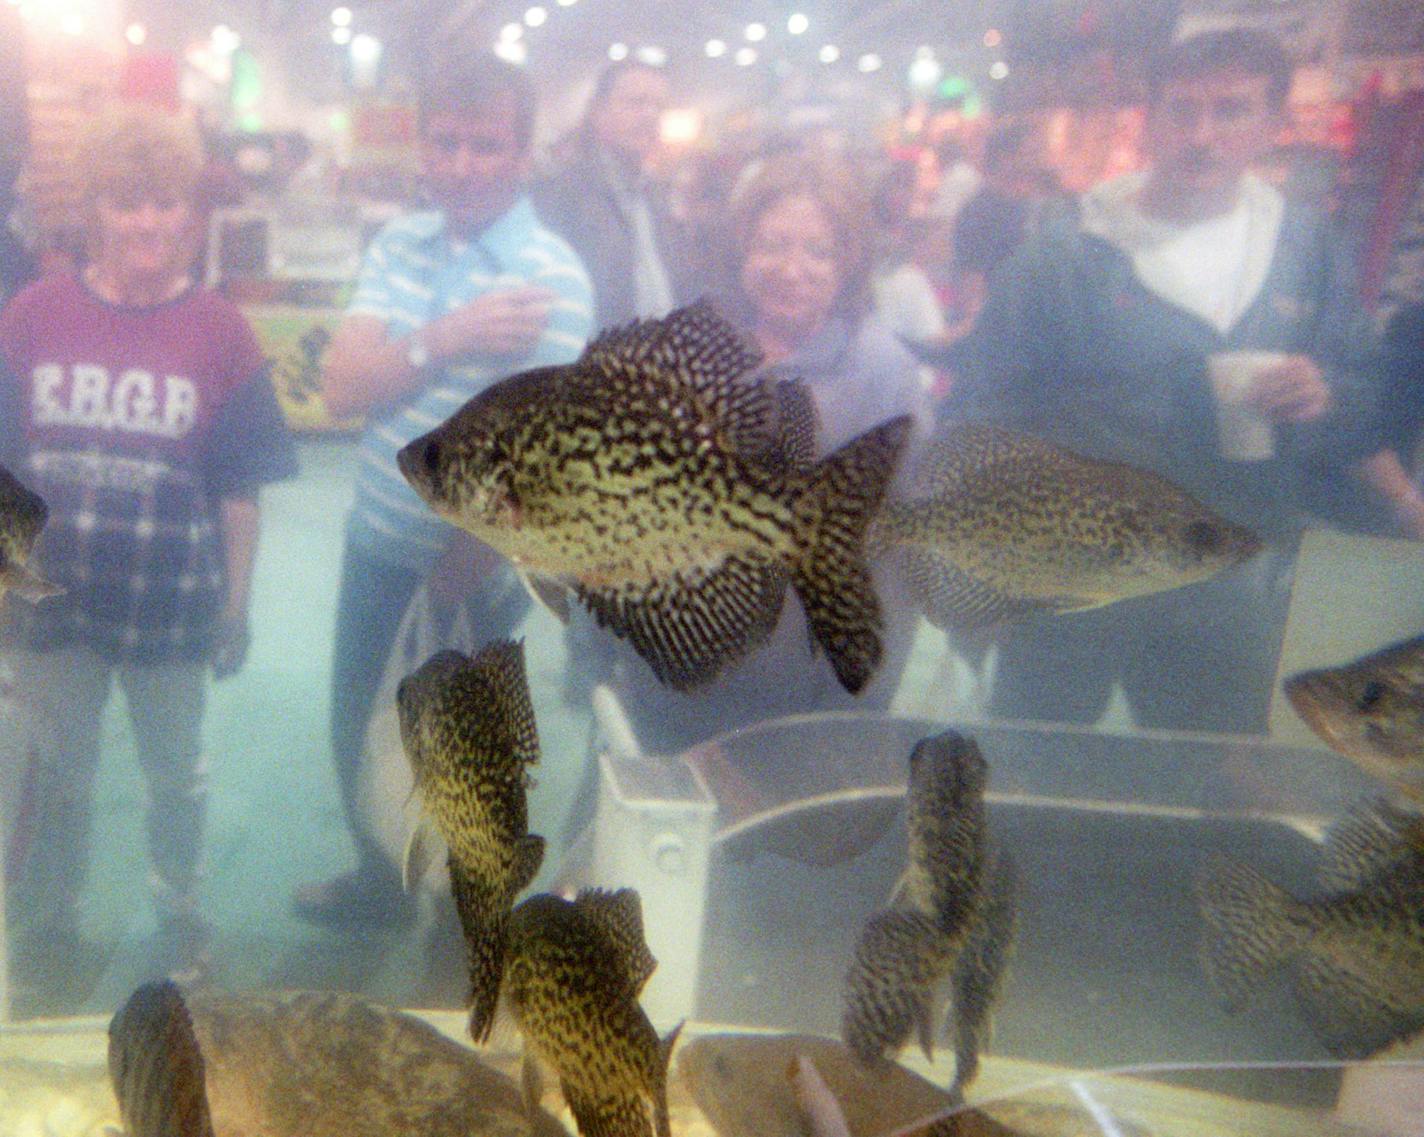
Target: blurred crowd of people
(951, 290)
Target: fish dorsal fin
(792, 427)
(951, 457)
(501, 666)
(483, 908)
(1373, 838)
(619, 915)
(695, 349)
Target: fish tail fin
(1250, 926)
(156, 1065)
(832, 574)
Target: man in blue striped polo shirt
(449, 300)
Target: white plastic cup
(1243, 432)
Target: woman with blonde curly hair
(137, 404)
(799, 269)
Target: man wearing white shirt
(1098, 333)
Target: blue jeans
(63, 694)
(373, 599)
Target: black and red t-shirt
(133, 423)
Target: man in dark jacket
(1098, 333)
(602, 202)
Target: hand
(508, 322)
(1292, 391)
(230, 650)
(1409, 514)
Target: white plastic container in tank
(653, 831)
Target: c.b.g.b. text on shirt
(137, 402)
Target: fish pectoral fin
(27, 584)
(689, 629)
(421, 851)
(955, 601)
(1351, 1015)
(613, 1115)
(549, 594)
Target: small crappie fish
(1371, 711)
(1355, 953)
(572, 977)
(156, 1067)
(945, 823)
(653, 479)
(952, 918)
(747, 1086)
(468, 728)
(1006, 525)
(22, 516)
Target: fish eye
(1203, 536)
(1370, 694)
(430, 455)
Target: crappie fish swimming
(22, 516)
(1371, 711)
(572, 977)
(1355, 953)
(303, 1064)
(654, 478)
(1005, 525)
(952, 918)
(468, 728)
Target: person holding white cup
(1189, 320)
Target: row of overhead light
(511, 45)
(797, 24)
(365, 49)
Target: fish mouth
(1311, 697)
(418, 463)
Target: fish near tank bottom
(1109, 830)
